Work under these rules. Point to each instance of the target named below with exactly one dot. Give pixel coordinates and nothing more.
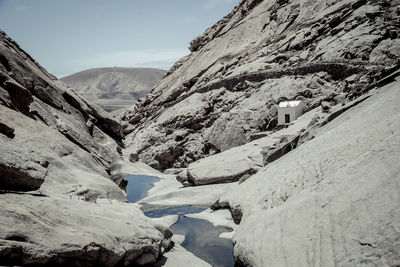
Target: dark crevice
(75, 104)
(17, 237)
(37, 115)
(5, 63)
(72, 139)
(35, 194)
(281, 151)
(15, 179)
(366, 244)
(7, 131)
(110, 127)
(20, 98)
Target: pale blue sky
(67, 36)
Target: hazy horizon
(67, 37)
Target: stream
(201, 237)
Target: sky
(68, 36)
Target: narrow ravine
(201, 237)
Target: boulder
(209, 171)
(21, 169)
(55, 231)
(238, 163)
(326, 106)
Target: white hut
(289, 111)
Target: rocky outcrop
(333, 200)
(239, 163)
(57, 203)
(115, 88)
(76, 233)
(21, 169)
(271, 154)
(227, 90)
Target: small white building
(289, 111)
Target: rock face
(76, 233)
(226, 91)
(57, 203)
(333, 201)
(114, 88)
(240, 162)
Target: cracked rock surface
(330, 202)
(57, 203)
(226, 91)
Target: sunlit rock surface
(333, 201)
(57, 203)
(263, 52)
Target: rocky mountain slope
(225, 93)
(114, 88)
(58, 205)
(333, 200)
(323, 191)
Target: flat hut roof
(289, 104)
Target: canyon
(320, 191)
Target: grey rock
(187, 183)
(283, 52)
(61, 149)
(239, 163)
(343, 179)
(21, 169)
(326, 106)
(277, 152)
(173, 171)
(74, 232)
(182, 177)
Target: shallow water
(180, 210)
(138, 186)
(201, 237)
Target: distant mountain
(114, 88)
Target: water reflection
(179, 210)
(201, 237)
(138, 186)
